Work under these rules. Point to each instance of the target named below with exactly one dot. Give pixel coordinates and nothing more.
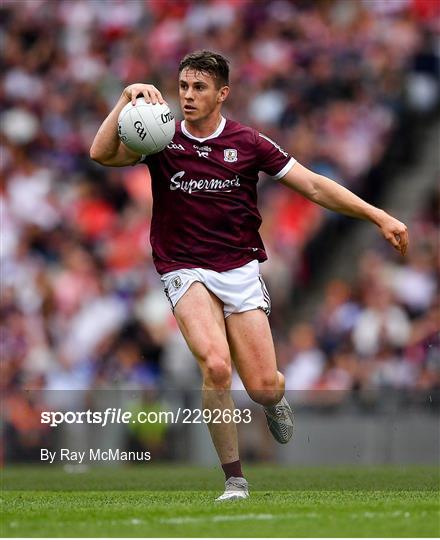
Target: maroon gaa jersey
(205, 211)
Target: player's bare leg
(251, 345)
(200, 317)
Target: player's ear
(223, 94)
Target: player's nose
(189, 94)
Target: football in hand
(146, 128)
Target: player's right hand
(150, 93)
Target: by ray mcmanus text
(92, 454)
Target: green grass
(156, 501)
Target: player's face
(200, 98)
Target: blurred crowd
(82, 306)
(381, 331)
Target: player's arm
(107, 148)
(333, 196)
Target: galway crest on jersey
(230, 154)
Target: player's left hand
(395, 232)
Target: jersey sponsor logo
(203, 184)
(230, 154)
(277, 146)
(174, 146)
(140, 129)
(202, 151)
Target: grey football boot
(280, 421)
(235, 488)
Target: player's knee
(266, 390)
(218, 372)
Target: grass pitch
(176, 501)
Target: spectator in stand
(337, 316)
(381, 324)
(307, 362)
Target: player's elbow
(315, 188)
(98, 156)
(313, 194)
(310, 191)
(95, 155)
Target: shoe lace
(281, 413)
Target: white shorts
(240, 289)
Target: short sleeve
(271, 158)
(148, 159)
(142, 159)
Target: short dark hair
(208, 62)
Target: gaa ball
(146, 128)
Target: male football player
(206, 245)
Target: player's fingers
(156, 96)
(393, 239)
(153, 95)
(149, 95)
(395, 242)
(404, 240)
(398, 242)
(134, 94)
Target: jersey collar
(216, 133)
